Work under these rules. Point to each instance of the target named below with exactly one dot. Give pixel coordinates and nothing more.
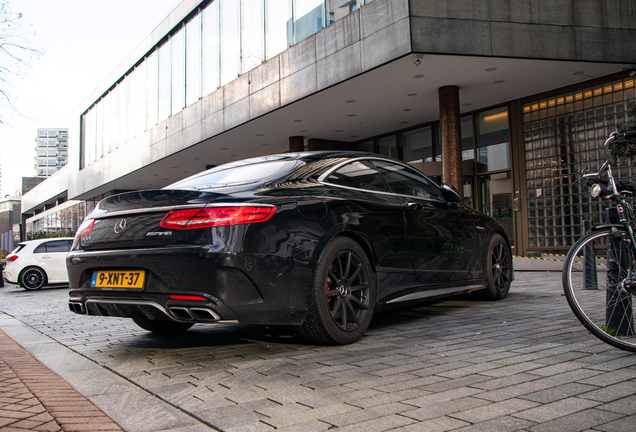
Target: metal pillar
(590, 280)
(618, 304)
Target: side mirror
(451, 194)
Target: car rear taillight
(12, 258)
(216, 216)
(85, 228)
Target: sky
(82, 42)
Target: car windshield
(242, 172)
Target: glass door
(496, 200)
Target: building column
(296, 144)
(450, 130)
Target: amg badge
(158, 233)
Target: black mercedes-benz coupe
(316, 240)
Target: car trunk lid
(132, 220)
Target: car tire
(499, 270)
(32, 278)
(342, 297)
(161, 327)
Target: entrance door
(496, 200)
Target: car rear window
(232, 175)
(18, 248)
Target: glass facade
(563, 135)
(218, 43)
(64, 220)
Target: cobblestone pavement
(524, 363)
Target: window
(406, 181)
(42, 134)
(277, 27)
(54, 246)
(178, 71)
(252, 34)
(237, 175)
(359, 175)
(211, 55)
(418, 145)
(152, 90)
(52, 134)
(230, 47)
(193, 60)
(493, 147)
(308, 18)
(563, 135)
(341, 8)
(164, 81)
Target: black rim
(347, 291)
(33, 278)
(500, 266)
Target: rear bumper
(234, 287)
(9, 277)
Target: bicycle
(599, 273)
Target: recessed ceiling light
(233, 155)
(197, 158)
(260, 135)
(351, 115)
(354, 136)
(138, 181)
(412, 94)
(418, 76)
(304, 130)
(404, 122)
(499, 81)
(578, 73)
(185, 172)
(166, 178)
(265, 144)
(491, 69)
(155, 175)
(223, 148)
(297, 121)
(351, 101)
(407, 110)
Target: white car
(36, 263)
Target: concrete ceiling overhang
(397, 95)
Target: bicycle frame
(625, 211)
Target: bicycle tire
(591, 283)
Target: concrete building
(506, 99)
(51, 151)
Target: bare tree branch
(16, 54)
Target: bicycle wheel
(593, 276)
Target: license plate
(118, 279)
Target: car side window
(56, 246)
(408, 181)
(40, 249)
(359, 175)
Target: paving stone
(580, 421)
(556, 409)
(454, 364)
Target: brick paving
(522, 364)
(33, 398)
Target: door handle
(414, 206)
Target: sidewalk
(33, 398)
